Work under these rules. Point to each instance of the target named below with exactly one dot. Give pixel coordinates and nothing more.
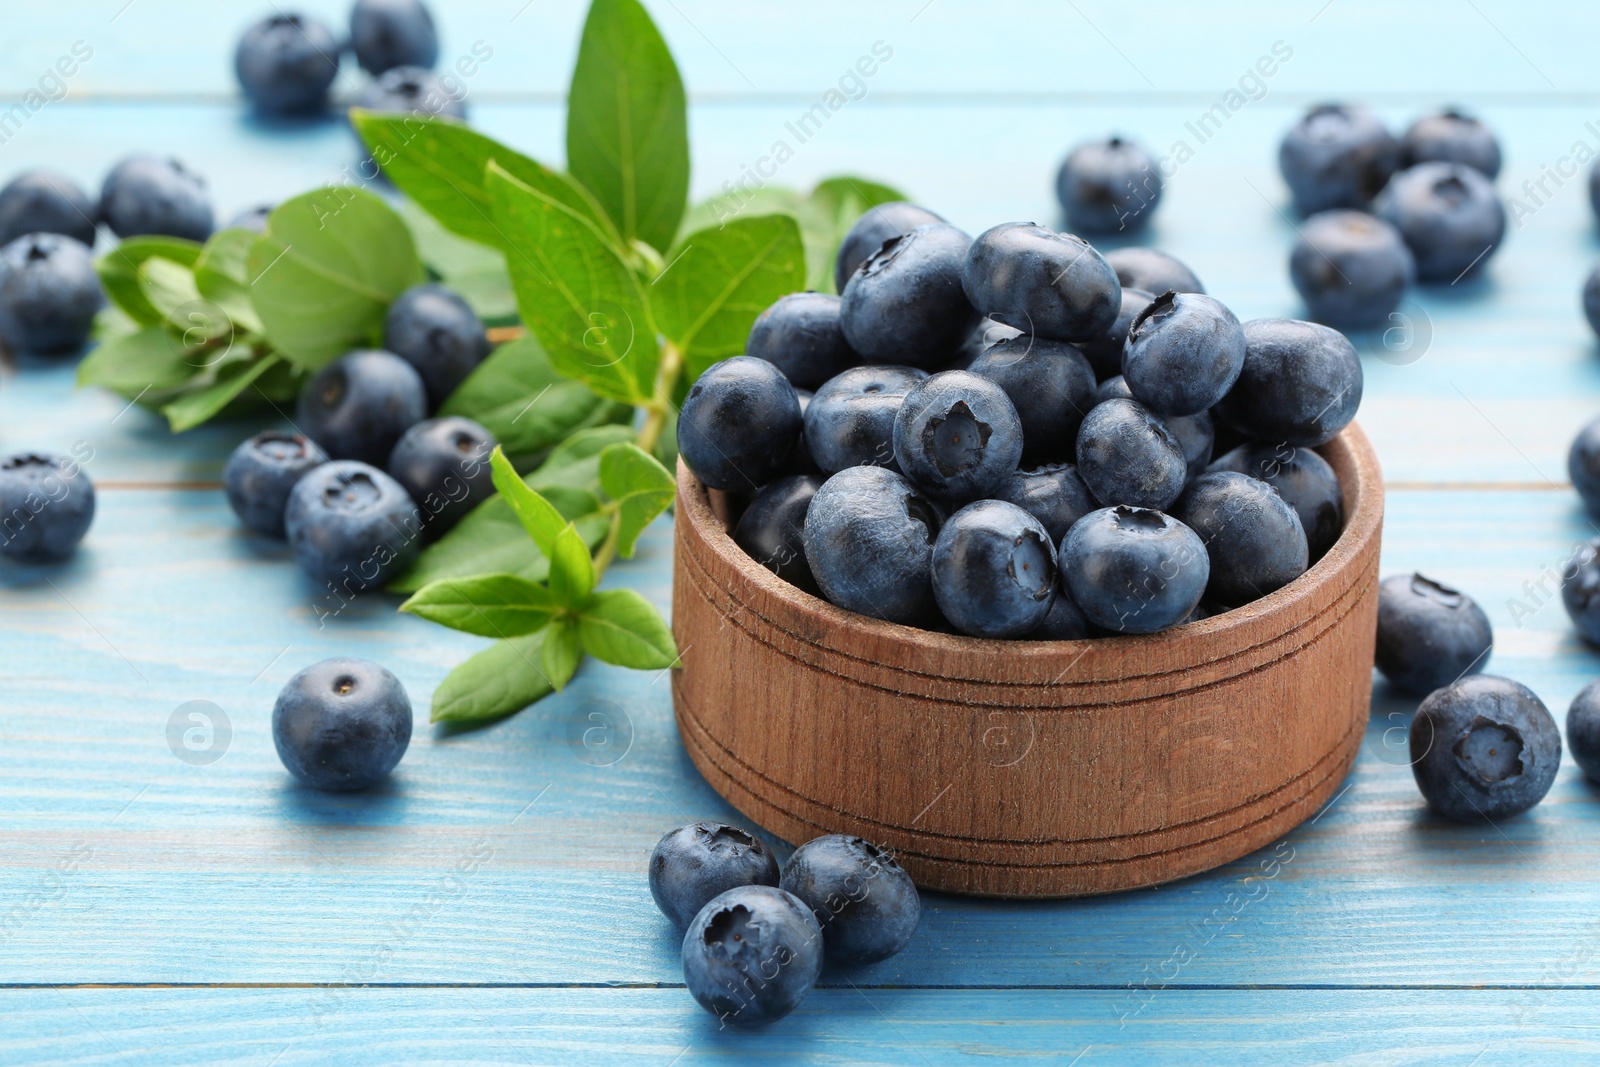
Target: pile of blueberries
(1012, 436)
(1382, 213)
(754, 941)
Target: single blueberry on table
(894, 219)
(1580, 590)
(1049, 383)
(739, 424)
(49, 294)
(751, 955)
(439, 334)
(698, 862)
(1448, 215)
(46, 506)
(145, 195)
(1301, 383)
(1591, 300)
(1429, 635)
(850, 420)
(863, 900)
(414, 91)
(342, 724)
(1583, 465)
(358, 406)
(286, 63)
(800, 335)
(1152, 270)
(1109, 186)
(443, 465)
(1483, 748)
(1303, 479)
(772, 529)
(869, 538)
(385, 34)
(994, 570)
(1044, 283)
(351, 527)
(1197, 436)
(1127, 455)
(905, 304)
(1183, 354)
(1451, 137)
(260, 474)
(41, 201)
(1053, 494)
(1104, 352)
(252, 218)
(1065, 621)
(1351, 268)
(1337, 156)
(957, 436)
(1134, 570)
(1583, 730)
(1252, 536)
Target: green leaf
(719, 281)
(440, 164)
(619, 626)
(517, 396)
(538, 516)
(504, 678)
(222, 274)
(191, 409)
(571, 569)
(627, 124)
(119, 272)
(576, 294)
(561, 652)
(640, 485)
(167, 285)
(489, 605)
(136, 364)
(323, 276)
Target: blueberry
(1104, 352)
(772, 529)
(1127, 455)
(351, 526)
(414, 91)
(1045, 283)
(438, 333)
(1114, 388)
(1134, 570)
(1301, 383)
(1252, 536)
(286, 63)
(894, 219)
(1337, 156)
(1108, 186)
(1484, 748)
(1351, 268)
(983, 337)
(46, 506)
(1152, 271)
(342, 724)
(800, 335)
(261, 473)
(393, 33)
(145, 195)
(994, 570)
(905, 304)
(358, 406)
(1065, 621)
(443, 465)
(700, 861)
(851, 419)
(863, 900)
(49, 294)
(41, 201)
(1429, 635)
(1303, 479)
(1197, 437)
(1184, 353)
(251, 218)
(1049, 383)
(957, 435)
(1583, 465)
(739, 424)
(751, 955)
(1583, 730)
(1580, 590)
(869, 542)
(1053, 494)
(1448, 214)
(1591, 300)
(1451, 137)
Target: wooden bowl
(1027, 768)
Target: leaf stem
(659, 408)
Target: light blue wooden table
(489, 905)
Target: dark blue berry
(49, 294)
(1252, 536)
(1152, 270)
(1127, 455)
(751, 955)
(351, 526)
(1184, 353)
(1110, 186)
(261, 473)
(700, 861)
(41, 201)
(1104, 352)
(1583, 730)
(994, 570)
(1580, 590)
(800, 335)
(850, 421)
(1583, 465)
(145, 195)
(1049, 383)
(414, 91)
(1591, 300)
(1301, 383)
(1065, 621)
(1303, 479)
(358, 406)
(1448, 215)
(1053, 494)
(772, 529)
(393, 33)
(894, 219)
(863, 900)
(286, 63)
(1429, 635)
(1484, 748)
(1113, 388)
(984, 336)
(905, 305)
(439, 334)
(869, 538)
(1451, 137)
(957, 436)
(1133, 570)
(443, 465)
(342, 724)
(1041, 282)
(1337, 156)
(739, 424)
(46, 506)
(1351, 268)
